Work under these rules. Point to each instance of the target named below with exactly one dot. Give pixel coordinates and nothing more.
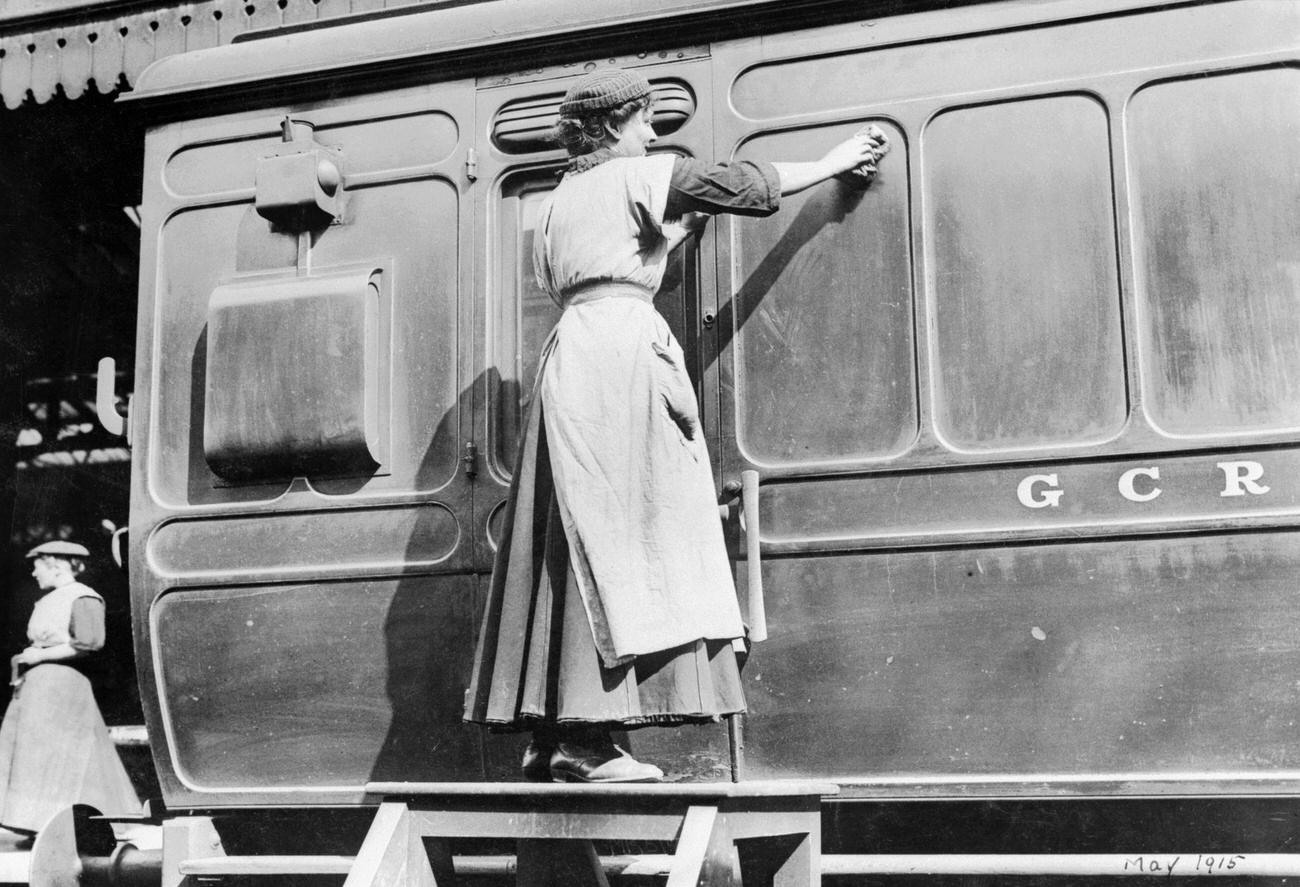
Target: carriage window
(522, 315)
(1023, 286)
(1217, 237)
(825, 367)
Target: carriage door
(301, 540)
(517, 167)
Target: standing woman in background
(54, 748)
(612, 604)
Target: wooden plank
(268, 865)
(106, 55)
(137, 46)
(169, 39)
(15, 69)
(505, 823)
(74, 74)
(774, 788)
(201, 29)
(45, 66)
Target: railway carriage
(1024, 411)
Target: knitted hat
(59, 548)
(602, 91)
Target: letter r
(1242, 477)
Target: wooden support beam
(385, 856)
(706, 855)
(185, 839)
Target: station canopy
(48, 46)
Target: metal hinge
(471, 165)
(470, 459)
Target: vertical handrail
(753, 555)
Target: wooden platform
(750, 833)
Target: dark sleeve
(743, 188)
(87, 628)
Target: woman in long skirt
(55, 750)
(611, 603)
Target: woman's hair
(76, 565)
(582, 135)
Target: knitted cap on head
(602, 91)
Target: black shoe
(537, 762)
(606, 762)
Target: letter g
(1039, 498)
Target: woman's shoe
(536, 766)
(606, 762)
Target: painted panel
(368, 146)
(401, 226)
(1023, 287)
(1216, 203)
(823, 315)
(870, 76)
(292, 383)
(1144, 656)
(1039, 500)
(315, 541)
(318, 686)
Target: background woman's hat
(59, 548)
(603, 90)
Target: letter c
(1127, 490)
(1032, 498)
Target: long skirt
(55, 751)
(537, 662)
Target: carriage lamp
(298, 185)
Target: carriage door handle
(753, 555)
(110, 416)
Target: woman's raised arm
(866, 146)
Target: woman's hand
(861, 150)
(866, 146)
(689, 225)
(30, 656)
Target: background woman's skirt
(55, 751)
(537, 660)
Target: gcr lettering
(1240, 478)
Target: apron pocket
(678, 395)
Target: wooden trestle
(747, 833)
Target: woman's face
(635, 135)
(47, 571)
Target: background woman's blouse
(70, 614)
(87, 627)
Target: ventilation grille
(524, 126)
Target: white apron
(627, 453)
